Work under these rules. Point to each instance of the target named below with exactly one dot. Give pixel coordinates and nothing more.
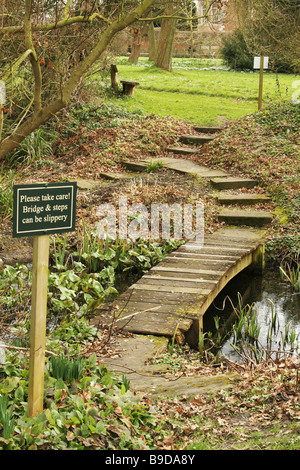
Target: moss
(282, 215)
(160, 342)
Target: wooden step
(135, 166)
(242, 199)
(182, 150)
(207, 129)
(196, 139)
(245, 217)
(154, 323)
(232, 182)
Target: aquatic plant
(292, 274)
(246, 331)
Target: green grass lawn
(198, 91)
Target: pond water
(271, 295)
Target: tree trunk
(152, 42)
(166, 40)
(135, 46)
(114, 76)
(139, 33)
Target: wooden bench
(128, 87)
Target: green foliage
(78, 283)
(97, 269)
(85, 405)
(6, 193)
(66, 369)
(6, 417)
(37, 146)
(284, 118)
(154, 166)
(72, 333)
(282, 247)
(75, 290)
(15, 283)
(235, 53)
(95, 411)
(120, 256)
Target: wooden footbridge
(174, 295)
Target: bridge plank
(186, 276)
(144, 306)
(203, 256)
(179, 279)
(217, 249)
(170, 288)
(181, 269)
(203, 261)
(158, 296)
(153, 323)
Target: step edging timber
(242, 199)
(231, 182)
(244, 217)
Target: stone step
(207, 129)
(176, 164)
(242, 199)
(232, 182)
(245, 217)
(196, 139)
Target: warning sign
(42, 209)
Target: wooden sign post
(261, 79)
(261, 63)
(39, 210)
(38, 324)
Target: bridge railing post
(258, 259)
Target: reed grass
(291, 272)
(246, 330)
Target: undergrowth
(94, 410)
(85, 405)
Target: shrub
(235, 53)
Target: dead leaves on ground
(266, 396)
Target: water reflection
(270, 294)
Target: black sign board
(42, 209)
